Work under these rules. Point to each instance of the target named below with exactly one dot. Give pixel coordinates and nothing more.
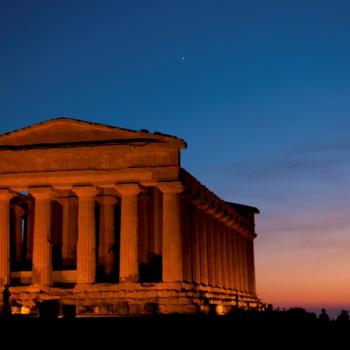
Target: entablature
(216, 207)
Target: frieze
(84, 159)
(31, 161)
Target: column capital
(65, 199)
(219, 213)
(85, 191)
(170, 187)
(225, 219)
(203, 205)
(106, 199)
(128, 189)
(45, 192)
(6, 194)
(230, 220)
(211, 209)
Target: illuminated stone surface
(105, 219)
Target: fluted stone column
(203, 237)
(218, 267)
(229, 258)
(42, 247)
(211, 250)
(236, 259)
(249, 266)
(231, 252)
(157, 218)
(232, 257)
(107, 234)
(86, 246)
(186, 230)
(244, 264)
(240, 261)
(18, 231)
(5, 197)
(196, 252)
(143, 227)
(129, 267)
(224, 271)
(30, 230)
(69, 229)
(252, 265)
(172, 240)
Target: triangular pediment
(72, 131)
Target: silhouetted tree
(343, 316)
(323, 317)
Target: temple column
(231, 252)
(18, 234)
(229, 257)
(42, 247)
(30, 230)
(223, 255)
(143, 228)
(5, 197)
(233, 258)
(252, 265)
(210, 225)
(196, 257)
(69, 230)
(172, 239)
(129, 269)
(218, 216)
(157, 218)
(249, 263)
(203, 247)
(240, 262)
(237, 260)
(211, 250)
(218, 267)
(107, 234)
(86, 245)
(244, 264)
(187, 237)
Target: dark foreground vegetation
(255, 323)
(293, 328)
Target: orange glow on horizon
(290, 273)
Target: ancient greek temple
(104, 219)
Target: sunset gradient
(258, 89)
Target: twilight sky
(258, 88)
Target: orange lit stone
(97, 204)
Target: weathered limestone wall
(136, 299)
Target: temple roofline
(80, 144)
(131, 135)
(241, 208)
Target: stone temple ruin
(104, 220)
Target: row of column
(86, 244)
(219, 256)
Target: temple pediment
(66, 131)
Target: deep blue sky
(259, 90)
